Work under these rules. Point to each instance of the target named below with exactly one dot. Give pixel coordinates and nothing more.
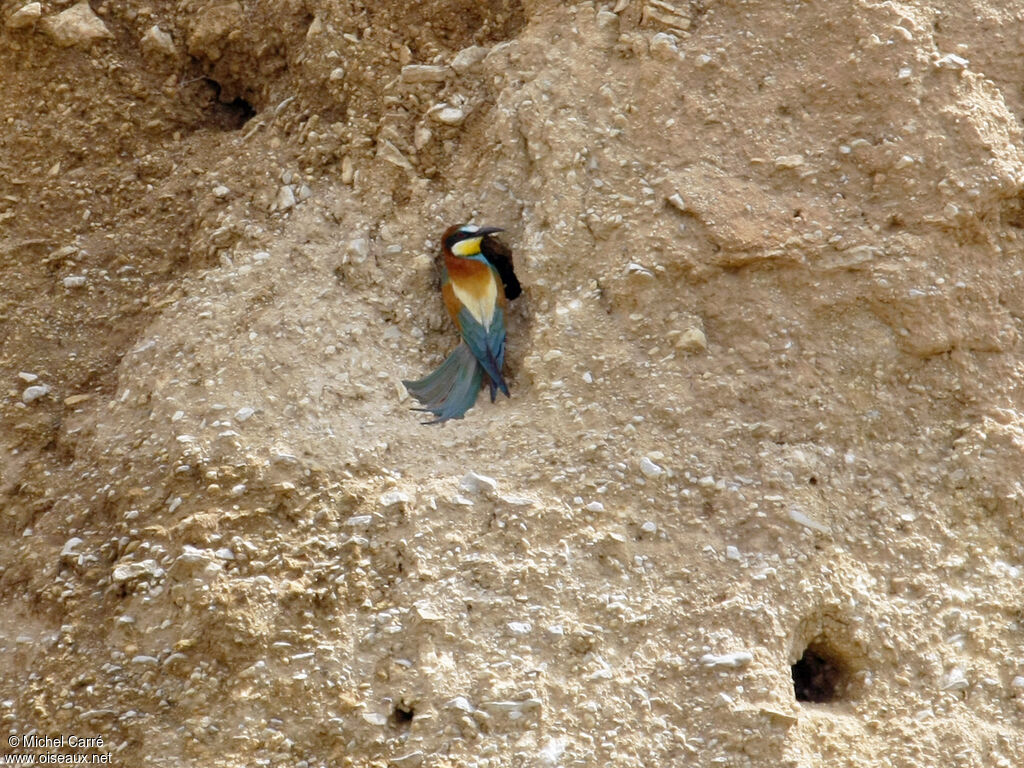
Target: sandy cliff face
(765, 410)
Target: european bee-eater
(476, 277)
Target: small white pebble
(34, 392)
(732, 553)
(244, 413)
(588, 377)
(692, 340)
(427, 611)
(664, 47)
(799, 517)
(649, 527)
(737, 659)
(285, 198)
(391, 498)
(461, 703)
(468, 58)
(649, 468)
(954, 680)
(638, 269)
(520, 627)
(475, 483)
(450, 116)
(595, 506)
(788, 162)
(952, 61)
(70, 546)
(551, 354)
(27, 377)
(221, 191)
(74, 281)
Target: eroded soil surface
(755, 499)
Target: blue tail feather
(451, 390)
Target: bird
(477, 277)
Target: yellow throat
(470, 247)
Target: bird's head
(465, 240)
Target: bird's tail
(451, 390)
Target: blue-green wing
(486, 344)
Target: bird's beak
(484, 231)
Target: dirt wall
(755, 499)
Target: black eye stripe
(458, 237)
